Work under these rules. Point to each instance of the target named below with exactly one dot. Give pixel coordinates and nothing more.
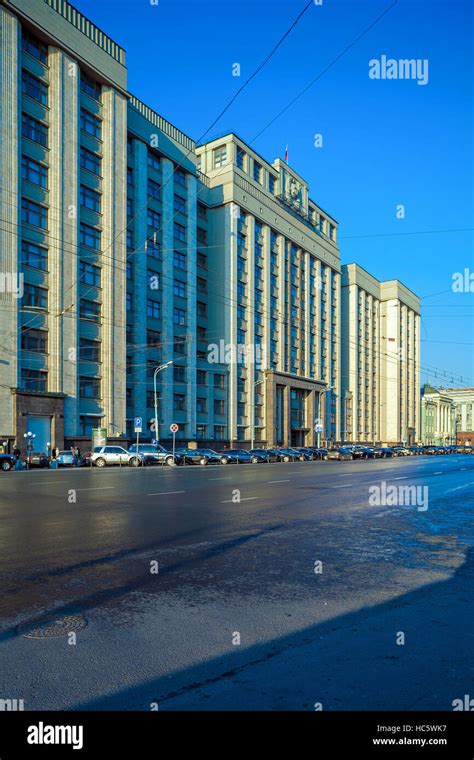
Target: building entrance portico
(291, 409)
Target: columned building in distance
(275, 275)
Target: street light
(323, 390)
(29, 437)
(257, 382)
(158, 369)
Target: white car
(105, 455)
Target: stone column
(141, 288)
(165, 411)
(191, 298)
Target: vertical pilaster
(165, 412)
(191, 297)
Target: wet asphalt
(270, 586)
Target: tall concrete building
(275, 274)
(380, 359)
(63, 108)
(124, 247)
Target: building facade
(463, 399)
(438, 417)
(130, 259)
(380, 360)
(275, 278)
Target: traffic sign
(137, 423)
(318, 428)
(174, 427)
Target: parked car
(340, 454)
(306, 453)
(37, 459)
(401, 451)
(66, 459)
(289, 455)
(242, 456)
(383, 452)
(267, 454)
(155, 454)
(319, 453)
(415, 450)
(85, 459)
(202, 456)
(7, 462)
(110, 455)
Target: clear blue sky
(384, 142)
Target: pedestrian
(73, 452)
(16, 452)
(78, 455)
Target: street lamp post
(323, 390)
(252, 441)
(29, 437)
(158, 369)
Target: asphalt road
(238, 615)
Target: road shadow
(356, 661)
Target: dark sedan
(38, 459)
(242, 456)
(306, 452)
(264, 455)
(202, 456)
(340, 454)
(383, 452)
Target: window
(153, 338)
(90, 198)
(128, 301)
(34, 88)
(89, 236)
(33, 255)
(129, 176)
(219, 406)
(201, 211)
(154, 189)
(34, 340)
(129, 239)
(34, 130)
(180, 178)
(33, 213)
(89, 310)
(219, 432)
(179, 316)
(153, 248)
(179, 345)
(219, 381)
(201, 285)
(153, 160)
(179, 402)
(179, 373)
(220, 156)
(201, 309)
(179, 232)
(240, 156)
(129, 208)
(153, 218)
(153, 308)
(90, 161)
(179, 288)
(34, 380)
(89, 274)
(257, 171)
(179, 204)
(271, 183)
(201, 405)
(89, 387)
(153, 279)
(34, 172)
(34, 47)
(87, 424)
(90, 123)
(89, 350)
(201, 377)
(90, 87)
(201, 432)
(202, 260)
(35, 297)
(201, 236)
(201, 333)
(179, 260)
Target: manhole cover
(53, 627)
